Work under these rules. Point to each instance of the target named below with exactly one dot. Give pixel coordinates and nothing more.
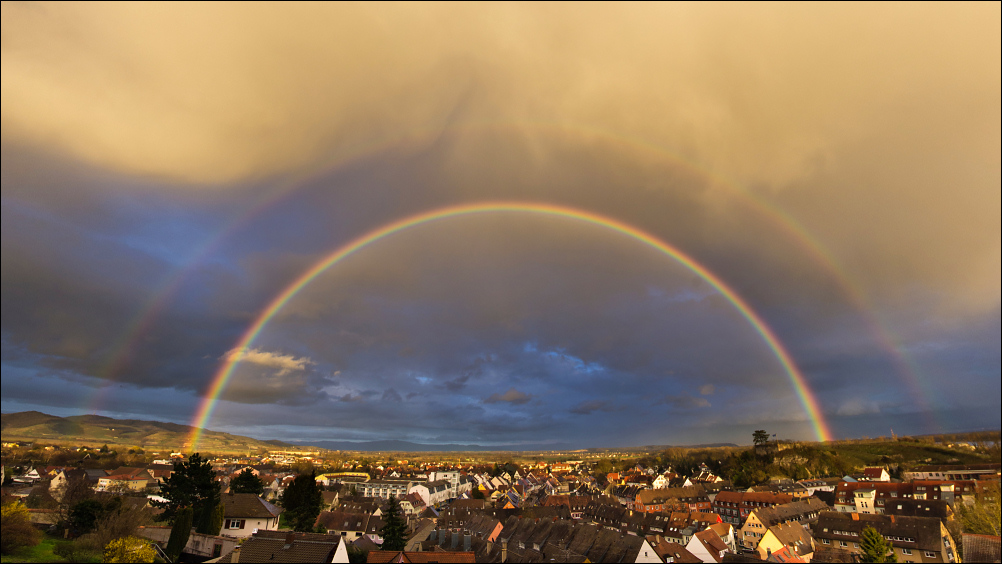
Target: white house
(245, 514)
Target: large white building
(384, 489)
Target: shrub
(17, 530)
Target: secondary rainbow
(124, 349)
(226, 370)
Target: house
(671, 552)
(955, 472)
(791, 536)
(384, 489)
(707, 546)
(759, 520)
(819, 485)
(915, 539)
(873, 474)
(59, 485)
(693, 498)
(281, 546)
(431, 493)
(917, 508)
(351, 526)
(866, 497)
(125, 479)
(726, 533)
(786, 555)
(734, 507)
(246, 514)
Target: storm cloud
(169, 171)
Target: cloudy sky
(168, 170)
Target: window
(930, 554)
(906, 551)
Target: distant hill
(407, 446)
(98, 430)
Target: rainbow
(122, 351)
(226, 370)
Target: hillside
(96, 430)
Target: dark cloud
(683, 401)
(588, 407)
(392, 395)
(512, 396)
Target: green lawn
(39, 553)
(43, 552)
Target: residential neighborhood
(556, 509)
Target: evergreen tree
(303, 502)
(247, 482)
(394, 531)
(875, 547)
(179, 534)
(212, 522)
(191, 485)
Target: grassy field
(44, 552)
(39, 553)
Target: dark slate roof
(937, 508)
(832, 554)
(792, 534)
(281, 546)
(379, 556)
(248, 506)
(343, 521)
(925, 531)
(800, 511)
(981, 548)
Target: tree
(179, 534)
(983, 516)
(394, 531)
(247, 482)
(303, 502)
(129, 549)
(119, 523)
(761, 437)
(84, 515)
(191, 485)
(16, 530)
(213, 522)
(875, 547)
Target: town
(904, 499)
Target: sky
(169, 170)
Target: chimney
(504, 551)
(455, 539)
(855, 516)
(467, 542)
(235, 555)
(892, 519)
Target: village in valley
(923, 499)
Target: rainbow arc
(222, 377)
